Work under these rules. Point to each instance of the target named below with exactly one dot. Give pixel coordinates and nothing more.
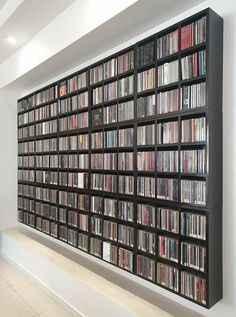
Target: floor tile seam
(24, 301)
(2, 277)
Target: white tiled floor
(21, 296)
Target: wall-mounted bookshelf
(123, 159)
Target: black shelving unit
(212, 210)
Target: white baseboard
(88, 286)
(59, 275)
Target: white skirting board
(84, 291)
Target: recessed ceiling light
(11, 39)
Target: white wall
(8, 162)
(227, 9)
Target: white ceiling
(27, 19)
(2, 3)
(130, 23)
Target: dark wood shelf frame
(213, 144)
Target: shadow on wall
(145, 293)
